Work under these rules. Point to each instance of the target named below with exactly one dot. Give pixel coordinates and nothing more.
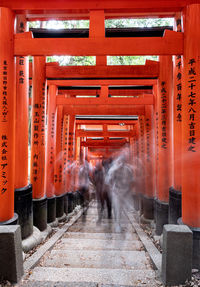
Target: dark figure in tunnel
(102, 192)
(83, 180)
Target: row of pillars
(169, 139)
(49, 157)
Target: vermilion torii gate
(184, 46)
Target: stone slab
(59, 284)
(97, 259)
(98, 244)
(104, 228)
(106, 236)
(11, 256)
(177, 254)
(93, 275)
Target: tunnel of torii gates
(164, 137)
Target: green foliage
(149, 22)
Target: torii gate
(187, 100)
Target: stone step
(97, 259)
(94, 219)
(93, 275)
(103, 228)
(97, 244)
(74, 284)
(106, 236)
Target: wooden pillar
(71, 140)
(164, 141)
(191, 128)
(97, 29)
(175, 191)
(59, 153)
(7, 117)
(71, 151)
(136, 193)
(38, 143)
(65, 150)
(22, 99)
(141, 167)
(23, 190)
(155, 92)
(58, 177)
(50, 154)
(148, 200)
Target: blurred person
(83, 184)
(101, 192)
(120, 179)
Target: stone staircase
(91, 255)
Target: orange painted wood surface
(141, 160)
(191, 119)
(102, 143)
(21, 124)
(100, 82)
(51, 142)
(88, 133)
(7, 115)
(170, 44)
(164, 128)
(101, 122)
(145, 100)
(177, 136)
(65, 150)
(58, 168)
(104, 110)
(38, 121)
(80, 7)
(149, 151)
(149, 70)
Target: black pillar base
(136, 201)
(40, 213)
(175, 205)
(70, 201)
(161, 215)
(60, 205)
(65, 204)
(148, 207)
(12, 221)
(24, 209)
(51, 209)
(141, 208)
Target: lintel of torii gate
(170, 44)
(107, 122)
(104, 143)
(103, 82)
(76, 8)
(104, 110)
(95, 92)
(145, 100)
(54, 71)
(110, 134)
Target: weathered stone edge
(32, 261)
(155, 255)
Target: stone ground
(91, 255)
